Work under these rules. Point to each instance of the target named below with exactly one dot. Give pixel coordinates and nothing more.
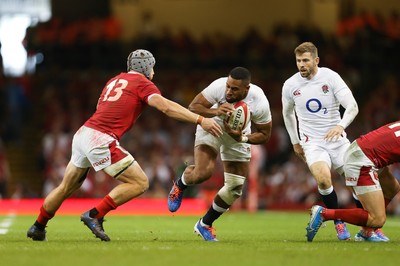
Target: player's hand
(212, 127)
(334, 134)
(298, 150)
(225, 109)
(235, 134)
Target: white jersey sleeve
(288, 114)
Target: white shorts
(230, 149)
(331, 152)
(92, 148)
(360, 172)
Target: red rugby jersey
(121, 102)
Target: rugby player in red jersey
(96, 143)
(364, 159)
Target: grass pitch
(263, 238)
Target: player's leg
(203, 168)
(236, 159)
(390, 187)
(226, 196)
(134, 183)
(120, 165)
(73, 179)
(322, 174)
(373, 215)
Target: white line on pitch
(6, 223)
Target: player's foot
(36, 234)
(381, 235)
(95, 225)
(316, 220)
(369, 236)
(208, 233)
(175, 198)
(341, 231)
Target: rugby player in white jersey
(314, 95)
(233, 146)
(96, 144)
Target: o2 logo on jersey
(314, 106)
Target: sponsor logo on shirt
(297, 92)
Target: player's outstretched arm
(178, 112)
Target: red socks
(106, 205)
(354, 216)
(44, 217)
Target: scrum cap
(141, 61)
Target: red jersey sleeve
(121, 102)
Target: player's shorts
(331, 152)
(92, 148)
(230, 149)
(360, 172)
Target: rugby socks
(180, 183)
(354, 216)
(106, 205)
(212, 214)
(329, 197)
(43, 218)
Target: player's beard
(306, 73)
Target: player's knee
(232, 189)
(377, 221)
(66, 190)
(143, 183)
(324, 183)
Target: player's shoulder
(327, 72)
(219, 82)
(256, 97)
(292, 82)
(256, 89)
(134, 76)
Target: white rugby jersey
(316, 103)
(255, 100)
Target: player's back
(121, 102)
(382, 145)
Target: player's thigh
(321, 172)
(73, 176)
(205, 159)
(134, 174)
(237, 168)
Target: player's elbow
(355, 108)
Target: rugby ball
(240, 117)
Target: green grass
(264, 238)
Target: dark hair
(241, 73)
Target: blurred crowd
(79, 58)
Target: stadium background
(194, 41)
